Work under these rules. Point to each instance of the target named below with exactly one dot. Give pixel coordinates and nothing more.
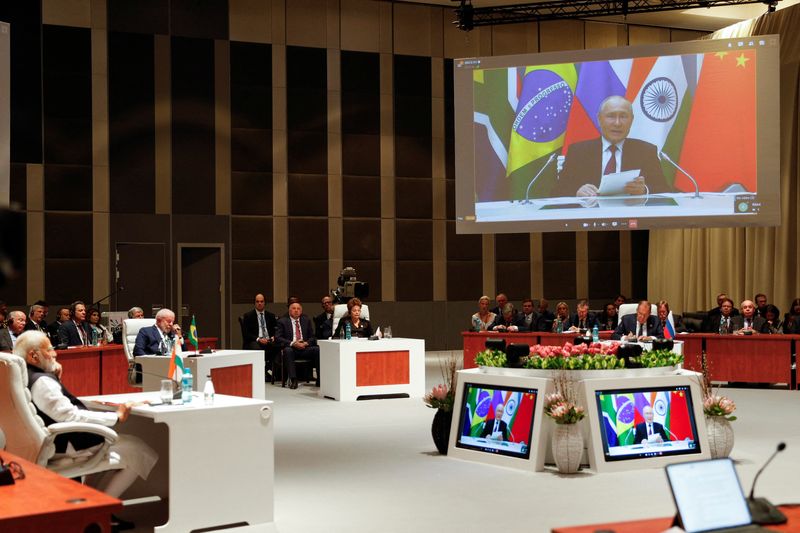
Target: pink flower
(440, 392)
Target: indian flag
(176, 363)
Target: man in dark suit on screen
(258, 332)
(640, 326)
(295, 334)
(496, 429)
(586, 162)
(649, 431)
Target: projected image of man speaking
(586, 162)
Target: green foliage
(576, 362)
(494, 358)
(658, 358)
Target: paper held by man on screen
(614, 184)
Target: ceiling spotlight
(464, 16)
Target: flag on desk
(175, 364)
(669, 327)
(193, 335)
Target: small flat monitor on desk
(497, 419)
(645, 422)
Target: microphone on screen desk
(536, 177)
(665, 157)
(762, 511)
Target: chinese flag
(719, 148)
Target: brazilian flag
(193, 335)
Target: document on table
(614, 184)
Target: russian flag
(669, 327)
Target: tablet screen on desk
(497, 419)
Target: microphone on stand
(665, 157)
(536, 177)
(762, 511)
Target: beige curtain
(690, 267)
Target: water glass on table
(387, 332)
(166, 391)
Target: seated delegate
(159, 338)
(640, 327)
(54, 403)
(359, 327)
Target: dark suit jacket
(628, 324)
(605, 323)
(583, 164)
(589, 322)
(148, 342)
(545, 321)
(713, 324)
(759, 324)
(499, 320)
(488, 426)
(68, 333)
(284, 335)
(5, 341)
(364, 329)
(641, 432)
(524, 326)
(323, 326)
(30, 325)
(250, 327)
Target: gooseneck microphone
(665, 157)
(536, 177)
(761, 509)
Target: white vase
(567, 446)
(720, 436)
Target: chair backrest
(630, 309)
(130, 329)
(340, 310)
(241, 327)
(25, 431)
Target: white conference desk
(360, 367)
(680, 204)
(216, 463)
(234, 372)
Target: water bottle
(347, 331)
(595, 334)
(476, 324)
(560, 326)
(208, 391)
(187, 382)
(95, 341)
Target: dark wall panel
(18, 188)
(412, 116)
(68, 257)
(26, 83)
(559, 269)
(413, 198)
(640, 246)
(361, 196)
(464, 264)
(251, 277)
(308, 239)
(604, 265)
(414, 281)
(251, 253)
(199, 18)
(251, 193)
(139, 16)
(193, 184)
(308, 280)
(362, 239)
(67, 95)
(131, 122)
(414, 253)
(308, 195)
(68, 187)
(306, 111)
(449, 122)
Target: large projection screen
(675, 135)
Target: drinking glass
(166, 391)
(387, 332)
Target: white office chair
(630, 309)
(340, 310)
(130, 329)
(27, 436)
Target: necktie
(496, 426)
(297, 334)
(81, 333)
(611, 166)
(649, 429)
(639, 333)
(262, 323)
(747, 323)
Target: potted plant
(567, 441)
(441, 398)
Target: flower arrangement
(595, 356)
(561, 405)
(715, 405)
(494, 358)
(443, 396)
